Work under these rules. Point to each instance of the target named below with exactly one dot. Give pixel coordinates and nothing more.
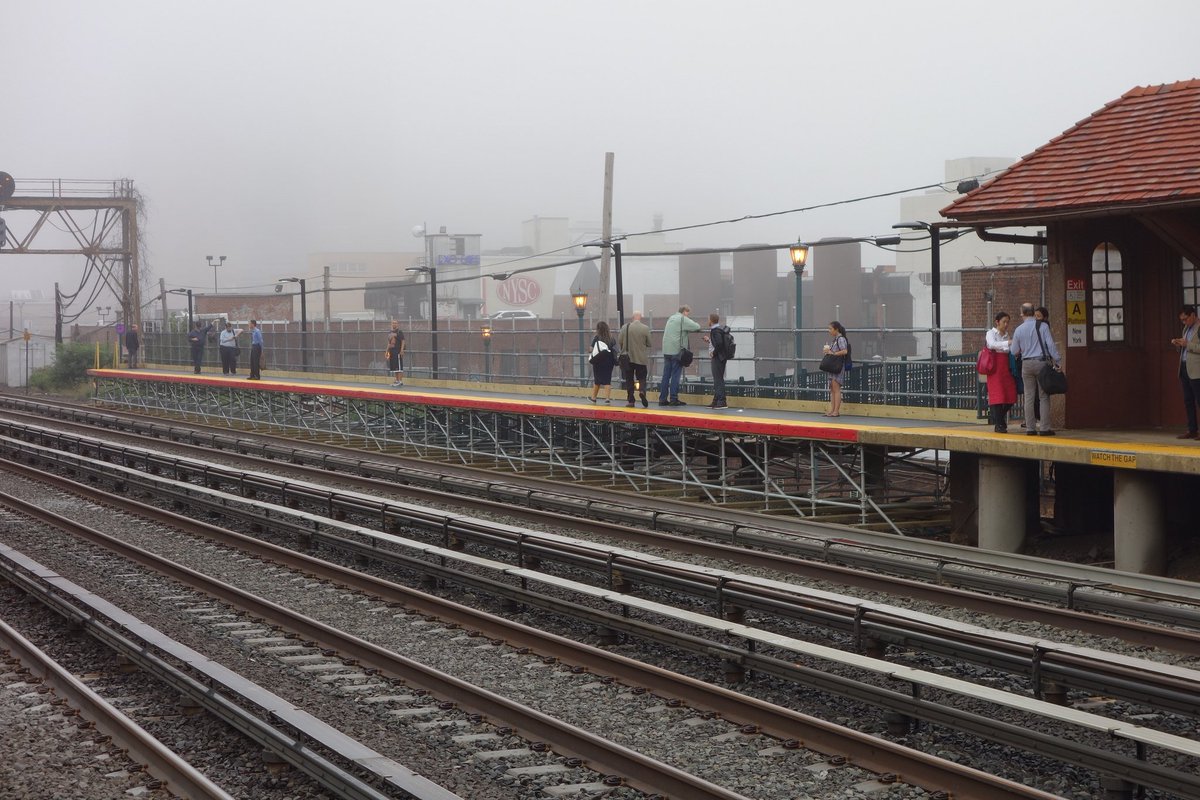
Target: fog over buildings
(279, 133)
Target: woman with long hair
(603, 357)
(837, 345)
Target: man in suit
(1188, 345)
(634, 341)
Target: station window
(1191, 284)
(1108, 294)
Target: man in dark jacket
(196, 338)
(133, 343)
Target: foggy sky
(267, 130)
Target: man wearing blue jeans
(675, 333)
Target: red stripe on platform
(722, 423)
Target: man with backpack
(720, 348)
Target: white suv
(514, 313)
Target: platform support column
(1002, 500)
(1139, 527)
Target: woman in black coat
(603, 357)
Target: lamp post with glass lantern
(215, 262)
(799, 254)
(579, 298)
(486, 333)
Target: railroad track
(358, 654)
(927, 713)
(922, 570)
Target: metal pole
(935, 264)
(189, 291)
(582, 358)
(433, 319)
(799, 325)
(487, 359)
(303, 327)
(620, 286)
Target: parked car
(514, 313)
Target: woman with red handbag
(1001, 386)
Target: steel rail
(1101, 760)
(865, 750)
(183, 779)
(567, 739)
(820, 551)
(1045, 663)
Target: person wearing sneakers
(1188, 345)
(716, 340)
(633, 341)
(675, 334)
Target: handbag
(1052, 379)
(685, 357)
(832, 363)
(985, 362)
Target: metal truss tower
(101, 217)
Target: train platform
(871, 466)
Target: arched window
(1108, 294)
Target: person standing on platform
(133, 343)
(717, 339)
(1034, 344)
(634, 342)
(196, 339)
(602, 360)
(228, 348)
(675, 334)
(256, 351)
(1188, 345)
(1001, 385)
(396, 353)
(837, 345)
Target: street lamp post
(303, 320)
(433, 329)
(214, 263)
(579, 298)
(799, 254)
(616, 249)
(936, 236)
(486, 332)
(188, 292)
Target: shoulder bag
(1052, 379)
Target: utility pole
(327, 288)
(606, 236)
(162, 298)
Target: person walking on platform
(717, 338)
(602, 360)
(133, 343)
(396, 353)
(1001, 385)
(633, 342)
(837, 345)
(1033, 342)
(1188, 345)
(675, 340)
(228, 348)
(196, 339)
(256, 351)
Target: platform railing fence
(538, 352)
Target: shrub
(68, 370)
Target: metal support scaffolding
(847, 483)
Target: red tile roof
(1139, 151)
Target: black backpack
(726, 348)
